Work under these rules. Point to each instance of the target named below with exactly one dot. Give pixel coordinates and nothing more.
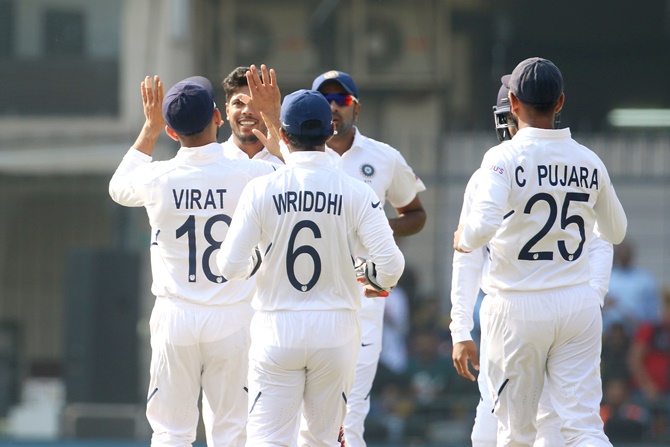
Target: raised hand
(272, 139)
(152, 101)
(265, 94)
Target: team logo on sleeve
(368, 170)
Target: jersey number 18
(188, 228)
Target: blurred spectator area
(75, 87)
(59, 58)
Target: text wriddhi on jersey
(305, 201)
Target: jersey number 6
(527, 255)
(293, 253)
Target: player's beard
(249, 138)
(342, 127)
(246, 139)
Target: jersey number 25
(527, 255)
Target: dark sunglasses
(342, 100)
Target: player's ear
(171, 133)
(559, 104)
(282, 135)
(217, 118)
(513, 103)
(357, 109)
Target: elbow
(420, 221)
(113, 192)
(622, 233)
(120, 194)
(389, 271)
(619, 234)
(408, 223)
(229, 270)
(399, 267)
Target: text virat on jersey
(192, 199)
(554, 175)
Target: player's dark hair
(307, 142)
(546, 109)
(191, 136)
(236, 79)
(543, 109)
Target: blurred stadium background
(74, 273)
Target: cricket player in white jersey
(200, 321)
(386, 171)
(244, 118)
(469, 273)
(309, 219)
(539, 199)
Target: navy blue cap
(189, 105)
(306, 105)
(336, 76)
(537, 82)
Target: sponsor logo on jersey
(375, 205)
(497, 169)
(368, 170)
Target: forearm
(600, 264)
(146, 140)
(122, 188)
(408, 223)
(465, 280)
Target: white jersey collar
(208, 152)
(308, 158)
(534, 132)
(358, 142)
(233, 151)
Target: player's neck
(196, 141)
(538, 123)
(251, 149)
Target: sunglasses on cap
(342, 100)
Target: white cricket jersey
(190, 201)
(538, 201)
(306, 219)
(391, 178)
(470, 273)
(233, 152)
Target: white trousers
(484, 430)
(300, 359)
(358, 406)
(554, 334)
(198, 347)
